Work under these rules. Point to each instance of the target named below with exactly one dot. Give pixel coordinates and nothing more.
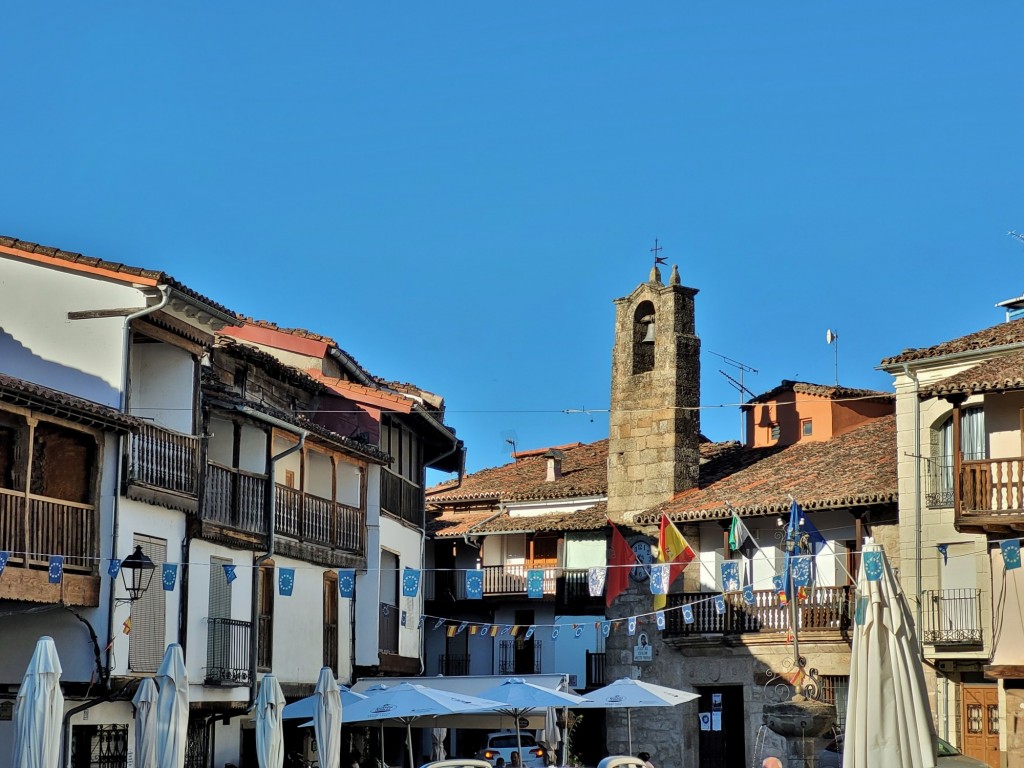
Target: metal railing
(596, 669)
(164, 459)
(402, 498)
(513, 660)
(453, 664)
(40, 525)
(511, 579)
(387, 628)
(227, 651)
(952, 617)
(824, 608)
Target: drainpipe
(268, 505)
(165, 297)
(918, 584)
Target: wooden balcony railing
(825, 608)
(387, 628)
(319, 521)
(164, 459)
(401, 498)
(511, 579)
(952, 617)
(235, 497)
(42, 526)
(991, 492)
(227, 651)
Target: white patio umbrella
(39, 710)
(269, 733)
(303, 709)
(519, 697)
(888, 720)
(407, 703)
(145, 724)
(171, 709)
(630, 694)
(327, 720)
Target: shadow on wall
(19, 361)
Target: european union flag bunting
(4, 557)
(114, 568)
(56, 570)
(347, 583)
(731, 576)
(577, 631)
(285, 581)
(169, 576)
(873, 565)
(1011, 554)
(688, 614)
(719, 605)
(661, 619)
(595, 581)
(410, 582)
(800, 570)
(748, 594)
(439, 623)
(229, 573)
(659, 579)
(555, 631)
(535, 583)
(404, 619)
(631, 626)
(529, 632)
(474, 585)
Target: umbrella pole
(629, 728)
(383, 762)
(519, 740)
(408, 742)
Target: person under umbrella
(269, 733)
(145, 724)
(39, 710)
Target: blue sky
(457, 191)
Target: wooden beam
(168, 337)
(96, 314)
(33, 586)
(1004, 671)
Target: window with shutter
(147, 640)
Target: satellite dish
(830, 336)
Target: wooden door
(980, 722)
(722, 723)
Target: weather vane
(656, 250)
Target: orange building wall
(790, 409)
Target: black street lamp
(141, 569)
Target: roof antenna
(831, 337)
(509, 437)
(740, 387)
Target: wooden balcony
(511, 579)
(41, 526)
(989, 497)
(826, 609)
(163, 467)
(235, 498)
(319, 521)
(401, 498)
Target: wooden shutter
(148, 638)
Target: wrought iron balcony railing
(451, 664)
(227, 651)
(952, 617)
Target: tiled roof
(1003, 373)
(857, 468)
(268, 362)
(819, 390)
(51, 401)
(996, 336)
(590, 519)
(584, 473)
(114, 267)
(300, 333)
(358, 392)
(456, 524)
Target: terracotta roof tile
(996, 336)
(113, 266)
(301, 333)
(54, 402)
(819, 390)
(455, 524)
(268, 362)
(1001, 374)
(857, 468)
(590, 519)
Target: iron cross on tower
(656, 250)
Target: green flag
(738, 533)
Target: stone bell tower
(653, 448)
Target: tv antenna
(509, 437)
(743, 368)
(831, 337)
(1018, 235)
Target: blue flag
(535, 583)
(748, 595)
(114, 568)
(56, 570)
(800, 570)
(229, 573)
(719, 605)
(347, 582)
(403, 618)
(731, 576)
(659, 579)
(529, 632)
(439, 623)
(577, 631)
(606, 628)
(688, 613)
(285, 581)
(475, 585)
(873, 565)
(169, 576)
(4, 557)
(631, 626)
(555, 632)
(1011, 554)
(410, 582)
(660, 619)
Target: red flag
(622, 559)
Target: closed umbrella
(39, 709)
(437, 743)
(888, 720)
(269, 734)
(327, 720)
(407, 702)
(145, 724)
(630, 694)
(519, 698)
(171, 709)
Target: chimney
(554, 458)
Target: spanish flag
(452, 629)
(674, 550)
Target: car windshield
(504, 742)
(945, 749)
